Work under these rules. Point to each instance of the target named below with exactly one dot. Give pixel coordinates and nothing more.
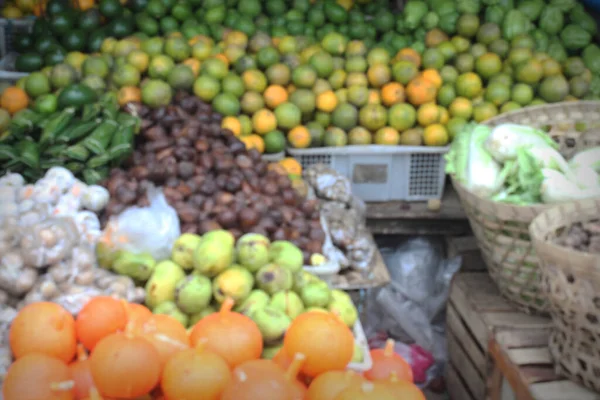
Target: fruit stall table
(415, 218)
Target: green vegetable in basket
(587, 158)
(506, 139)
(471, 164)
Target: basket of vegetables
(567, 239)
(510, 169)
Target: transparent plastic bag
(408, 308)
(151, 229)
(361, 250)
(48, 242)
(329, 184)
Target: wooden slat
(473, 379)
(472, 319)
(456, 387)
(515, 320)
(482, 292)
(562, 390)
(455, 325)
(534, 355)
(510, 338)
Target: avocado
(138, 5)
(40, 27)
(94, 42)
(110, 8)
(61, 23)
(120, 27)
(56, 56)
(76, 95)
(147, 24)
(168, 24)
(169, 4)
(54, 7)
(29, 62)
(23, 43)
(90, 20)
(75, 40)
(46, 44)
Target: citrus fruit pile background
(321, 73)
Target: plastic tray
(274, 157)
(9, 28)
(326, 271)
(361, 339)
(383, 173)
(7, 69)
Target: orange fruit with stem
(45, 328)
(310, 334)
(328, 385)
(232, 335)
(166, 334)
(297, 388)
(403, 389)
(135, 374)
(191, 372)
(38, 376)
(282, 359)
(367, 391)
(258, 379)
(81, 374)
(100, 317)
(386, 362)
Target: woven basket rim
(560, 105)
(539, 233)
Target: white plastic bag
(151, 229)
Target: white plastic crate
(383, 173)
(11, 28)
(274, 157)
(7, 69)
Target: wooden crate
(523, 369)
(467, 248)
(475, 311)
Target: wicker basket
(502, 230)
(571, 284)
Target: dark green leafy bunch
(86, 136)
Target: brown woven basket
(571, 284)
(502, 230)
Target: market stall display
(226, 343)
(211, 179)
(508, 174)
(75, 130)
(566, 239)
(285, 79)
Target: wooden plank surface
(527, 364)
(474, 380)
(415, 218)
(562, 390)
(455, 385)
(473, 293)
(450, 208)
(455, 325)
